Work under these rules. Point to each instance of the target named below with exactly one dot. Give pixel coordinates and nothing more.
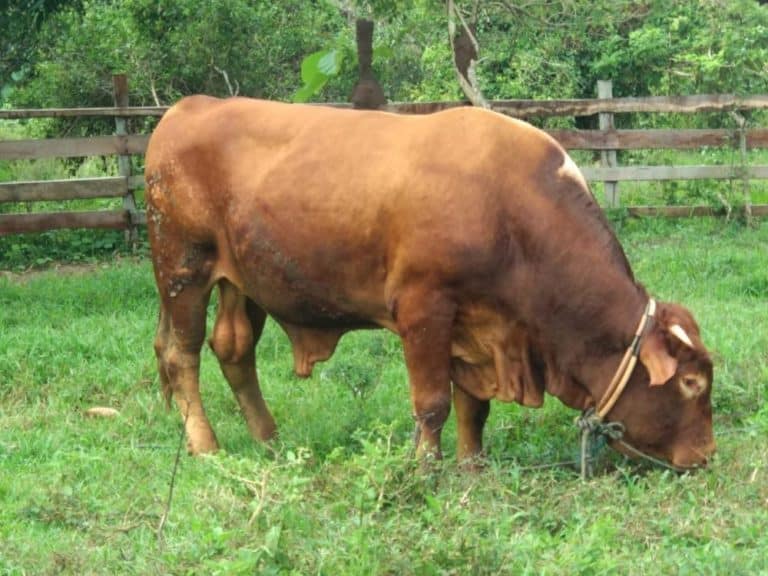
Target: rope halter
(627, 365)
(592, 421)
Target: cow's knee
(174, 362)
(430, 415)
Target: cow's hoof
(264, 432)
(199, 446)
(474, 463)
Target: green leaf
(310, 68)
(330, 63)
(433, 503)
(272, 539)
(306, 92)
(316, 69)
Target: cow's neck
(591, 328)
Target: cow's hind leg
(179, 338)
(239, 323)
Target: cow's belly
(312, 280)
(311, 300)
(312, 312)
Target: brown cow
(471, 235)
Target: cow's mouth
(689, 460)
(694, 458)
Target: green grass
(340, 493)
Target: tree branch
(154, 92)
(468, 78)
(226, 79)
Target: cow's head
(666, 407)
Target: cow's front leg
(424, 322)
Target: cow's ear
(656, 358)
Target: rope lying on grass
(593, 444)
(164, 517)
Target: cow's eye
(692, 385)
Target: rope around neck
(627, 365)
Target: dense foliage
(62, 53)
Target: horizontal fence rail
(103, 219)
(570, 139)
(73, 147)
(687, 211)
(80, 189)
(68, 189)
(655, 173)
(517, 108)
(607, 141)
(656, 139)
(126, 112)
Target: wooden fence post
(367, 93)
(120, 91)
(608, 157)
(741, 122)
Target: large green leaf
(310, 68)
(316, 70)
(306, 92)
(330, 63)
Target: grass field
(339, 493)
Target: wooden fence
(607, 140)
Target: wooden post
(608, 157)
(741, 122)
(367, 92)
(120, 91)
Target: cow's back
(320, 212)
(239, 149)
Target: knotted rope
(593, 429)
